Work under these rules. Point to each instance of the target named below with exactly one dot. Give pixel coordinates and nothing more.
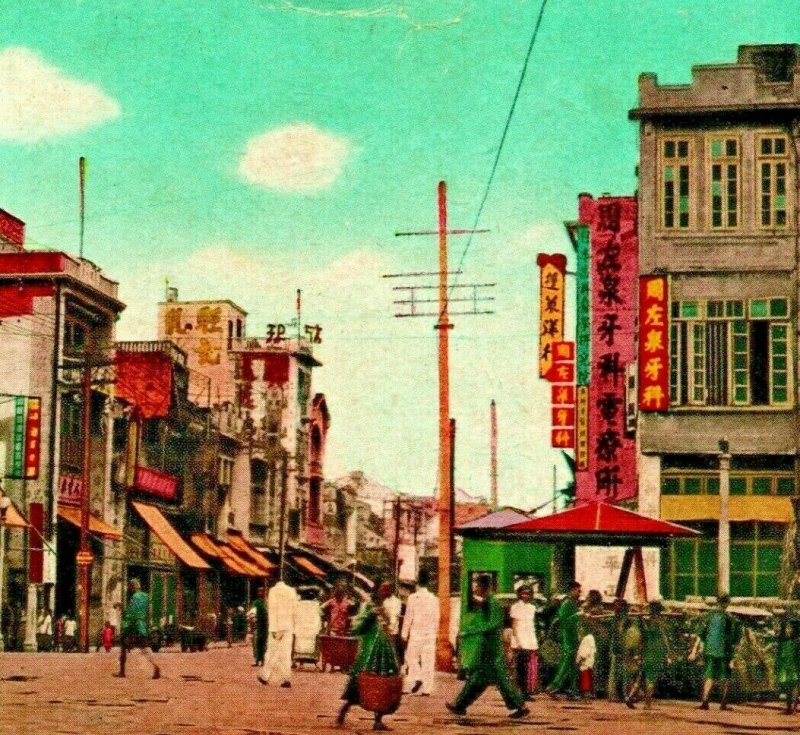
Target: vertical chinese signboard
(562, 375)
(33, 425)
(609, 471)
(552, 270)
(653, 343)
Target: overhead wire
(506, 127)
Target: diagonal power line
(523, 72)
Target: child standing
(587, 651)
(108, 636)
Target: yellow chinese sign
(552, 269)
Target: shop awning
(14, 518)
(162, 528)
(597, 521)
(243, 547)
(308, 566)
(97, 525)
(233, 562)
(499, 519)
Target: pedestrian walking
(107, 636)
(720, 633)
(566, 676)
(619, 680)
(308, 624)
(281, 612)
(420, 628)
(393, 606)
(585, 659)
(787, 662)
(135, 628)
(229, 626)
(655, 655)
(486, 664)
(59, 632)
(44, 630)
(524, 641)
(376, 653)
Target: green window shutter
(741, 362)
(738, 486)
(779, 363)
(785, 486)
(742, 556)
(741, 584)
(670, 486)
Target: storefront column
(31, 618)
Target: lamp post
(724, 534)
(5, 502)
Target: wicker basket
(380, 693)
(339, 651)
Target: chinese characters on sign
(276, 333)
(552, 269)
(70, 489)
(32, 447)
(653, 343)
(562, 375)
(156, 483)
(610, 469)
(582, 428)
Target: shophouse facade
(718, 217)
(58, 313)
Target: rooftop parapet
(765, 77)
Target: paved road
(216, 692)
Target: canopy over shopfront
(161, 527)
(591, 524)
(245, 549)
(233, 562)
(13, 518)
(97, 525)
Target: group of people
(58, 635)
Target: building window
(706, 482)
(772, 163)
(225, 471)
(675, 183)
(74, 338)
(71, 434)
(756, 558)
(724, 185)
(730, 353)
(689, 566)
(258, 493)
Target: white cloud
(298, 157)
(39, 101)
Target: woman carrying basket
(377, 660)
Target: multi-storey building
(58, 314)
(718, 178)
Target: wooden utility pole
(444, 651)
(493, 453)
(84, 557)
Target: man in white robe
(420, 627)
(281, 613)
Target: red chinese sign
(562, 374)
(36, 548)
(582, 428)
(653, 343)
(70, 489)
(33, 425)
(144, 379)
(552, 272)
(610, 471)
(156, 483)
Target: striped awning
(308, 566)
(243, 547)
(162, 528)
(233, 562)
(13, 518)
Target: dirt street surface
(216, 692)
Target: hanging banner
(552, 270)
(611, 468)
(653, 343)
(583, 315)
(33, 424)
(36, 543)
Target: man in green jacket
(567, 673)
(134, 631)
(720, 633)
(486, 665)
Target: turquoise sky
(394, 96)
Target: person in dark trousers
(618, 679)
(260, 627)
(566, 677)
(487, 665)
(135, 631)
(720, 633)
